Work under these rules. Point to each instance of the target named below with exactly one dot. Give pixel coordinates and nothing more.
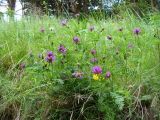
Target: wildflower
(64, 22)
(76, 39)
(93, 52)
(50, 57)
(50, 53)
(62, 49)
(22, 66)
(108, 74)
(109, 37)
(95, 77)
(97, 70)
(94, 60)
(136, 31)
(78, 75)
(42, 29)
(91, 28)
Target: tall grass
(32, 88)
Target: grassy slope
(37, 93)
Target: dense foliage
(72, 7)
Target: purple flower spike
(108, 74)
(94, 60)
(62, 49)
(97, 70)
(109, 37)
(76, 39)
(50, 57)
(91, 28)
(136, 31)
(93, 52)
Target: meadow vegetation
(80, 69)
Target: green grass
(43, 91)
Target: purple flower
(94, 60)
(50, 57)
(64, 22)
(76, 39)
(136, 31)
(50, 53)
(78, 75)
(97, 70)
(91, 28)
(22, 66)
(109, 37)
(108, 74)
(62, 49)
(93, 52)
(42, 29)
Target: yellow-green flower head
(95, 77)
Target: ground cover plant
(72, 69)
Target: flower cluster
(97, 70)
(62, 49)
(76, 40)
(108, 74)
(93, 52)
(136, 31)
(50, 57)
